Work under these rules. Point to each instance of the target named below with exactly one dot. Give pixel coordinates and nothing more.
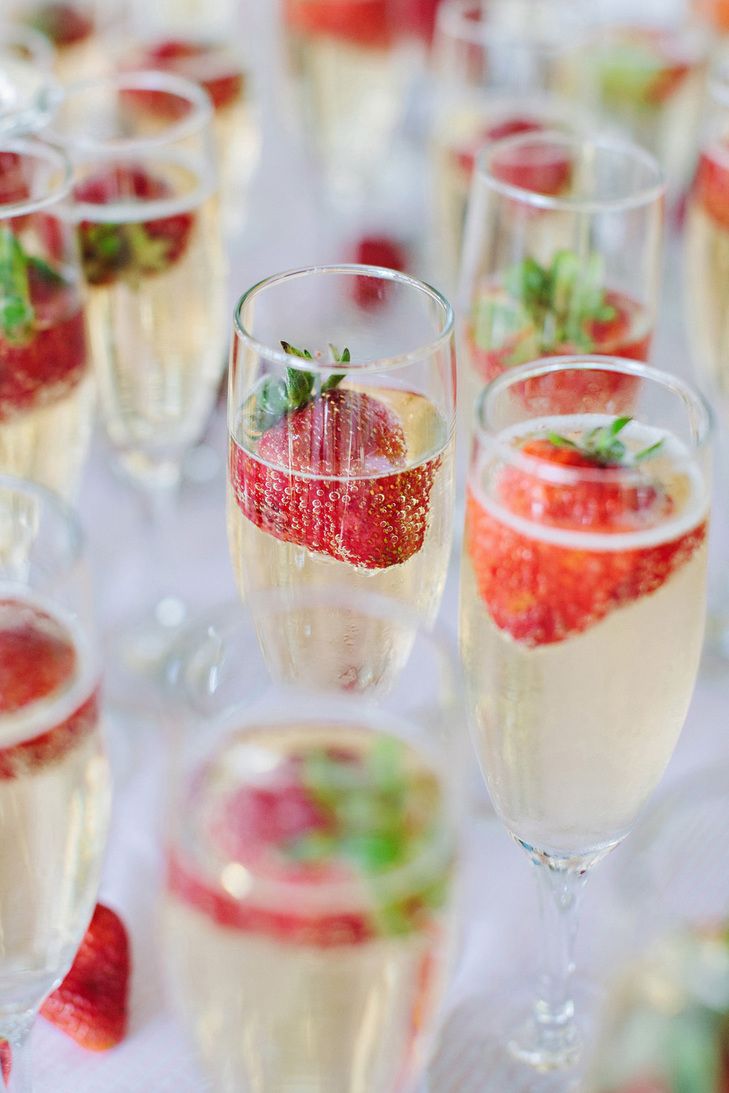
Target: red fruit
(366, 23)
(13, 183)
(377, 250)
(421, 18)
(65, 24)
(6, 1060)
(362, 509)
(711, 185)
(197, 61)
(510, 127)
(138, 249)
(539, 168)
(90, 1005)
(542, 592)
(54, 358)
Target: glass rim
(35, 148)
(53, 502)
(453, 24)
(40, 47)
(401, 360)
(235, 616)
(647, 194)
(138, 80)
(489, 438)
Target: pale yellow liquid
(53, 823)
(707, 290)
(270, 1017)
(159, 345)
(48, 443)
(238, 140)
(574, 736)
(336, 647)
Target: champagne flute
(582, 617)
(341, 420)
(514, 66)
(54, 780)
(46, 386)
(562, 254)
(311, 857)
(151, 245)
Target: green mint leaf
(16, 311)
(47, 273)
(560, 441)
(647, 453)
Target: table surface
(499, 938)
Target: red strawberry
(6, 1060)
(365, 23)
(540, 591)
(52, 356)
(711, 185)
(91, 1003)
(14, 185)
(133, 250)
(362, 509)
(509, 127)
(421, 18)
(539, 168)
(65, 24)
(198, 61)
(377, 250)
(258, 818)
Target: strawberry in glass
(311, 877)
(74, 28)
(46, 394)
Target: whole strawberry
(63, 23)
(90, 1005)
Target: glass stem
(560, 892)
(159, 506)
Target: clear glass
(146, 207)
(46, 386)
(501, 68)
(27, 87)
(352, 63)
(342, 472)
(648, 64)
(562, 254)
(311, 949)
(581, 623)
(201, 41)
(54, 779)
(706, 283)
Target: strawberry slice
(362, 508)
(377, 250)
(204, 62)
(90, 1005)
(111, 251)
(465, 157)
(638, 67)
(365, 23)
(541, 592)
(711, 185)
(65, 24)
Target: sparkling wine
(304, 952)
(575, 724)
(156, 305)
(54, 796)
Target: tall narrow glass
(341, 420)
(46, 386)
(312, 853)
(54, 782)
(581, 625)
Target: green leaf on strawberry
(277, 397)
(16, 311)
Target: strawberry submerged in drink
(584, 565)
(54, 794)
(312, 880)
(336, 481)
(46, 396)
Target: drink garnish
(16, 311)
(63, 23)
(277, 397)
(636, 69)
(91, 1003)
(541, 591)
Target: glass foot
(488, 1045)
(142, 646)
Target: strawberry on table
(130, 250)
(347, 444)
(6, 1060)
(541, 591)
(90, 1005)
(377, 250)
